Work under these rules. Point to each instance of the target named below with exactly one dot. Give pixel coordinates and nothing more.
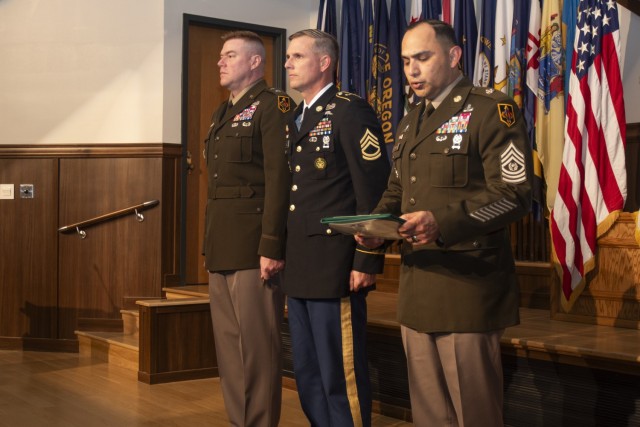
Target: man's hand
(420, 228)
(360, 280)
(369, 242)
(270, 267)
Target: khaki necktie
(426, 112)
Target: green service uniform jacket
(249, 179)
(340, 167)
(469, 164)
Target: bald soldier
(461, 174)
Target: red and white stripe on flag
(416, 11)
(593, 182)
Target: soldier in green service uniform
(245, 232)
(461, 174)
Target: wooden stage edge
(538, 336)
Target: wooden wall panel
(119, 258)
(28, 254)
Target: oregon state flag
(381, 92)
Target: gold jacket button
(297, 168)
(329, 231)
(412, 201)
(413, 179)
(299, 148)
(446, 151)
(292, 208)
(476, 244)
(413, 156)
(215, 176)
(294, 187)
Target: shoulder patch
(506, 114)
(284, 103)
(370, 146)
(488, 92)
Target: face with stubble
(429, 64)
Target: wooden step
(114, 348)
(188, 291)
(131, 322)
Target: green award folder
(377, 225)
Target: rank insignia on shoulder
(370, 146)
(512, 164)
(284, 103)
(506, 114)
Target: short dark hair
(445, 33)
(250, 37)
(324, 43)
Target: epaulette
(347, 95)
(489, 92)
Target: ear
(325, 62)
(256, 60)
(455, 53)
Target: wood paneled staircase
(163, 340)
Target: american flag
(593, 183)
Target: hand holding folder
(384, 226)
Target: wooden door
(202, 94)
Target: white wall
(630, 58)
(80, 71)
(107, 71)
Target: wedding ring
(414, 238)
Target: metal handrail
(136, 209)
